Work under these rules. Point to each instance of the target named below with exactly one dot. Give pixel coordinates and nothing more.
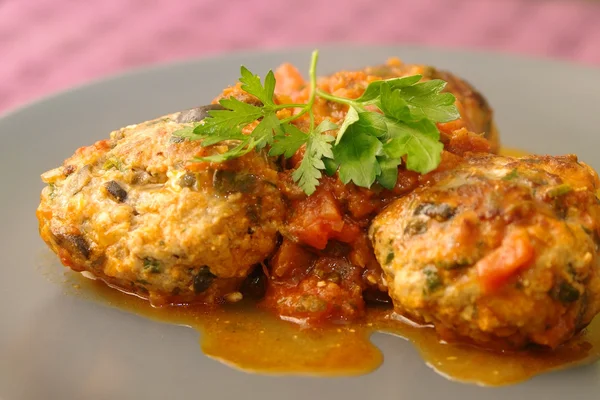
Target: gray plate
(56, 346)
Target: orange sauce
(281, 347)
(284, 348)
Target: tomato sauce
(334, 350)
(325, 270)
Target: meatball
(501, 251)
(136, 212)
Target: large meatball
(499, 250)
(134, 211)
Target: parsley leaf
(426, 101)
(307, 175)
(244, 147)
(263, 133)
(389, 171)
(393, 104)
(404, 125)
(331, 166)
(394, 121)
(230, 121)
(251, 84)
(356, 154)
(186, 132)
(261, 136)
(292, 138)
(225, 125)
(325, 126)
(322, 142)
(289, 142)
(372, 122)
(419, 141)
(350, 118)
(372, 92)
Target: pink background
(50, 45)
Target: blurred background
(51, 45)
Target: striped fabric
(49, 45)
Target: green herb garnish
(394, 118)
(152, 265)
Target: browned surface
(502, 251)
(155, 234)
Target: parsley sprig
(394, 120)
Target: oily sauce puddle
(250, 339)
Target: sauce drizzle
(284, 348)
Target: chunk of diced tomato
(291, 259)
(515, 253)
(318, 218)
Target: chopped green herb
(52, 193)
(152, 265)
(559, 190)
(454, 264)
(113, 163)
(511, 175)
(432, 279)
(392, 122)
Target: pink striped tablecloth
(50, 45)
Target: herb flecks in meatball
(498, 250)
(136, 212)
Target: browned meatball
(136, 212)
(499, 250)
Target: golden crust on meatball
(499, 250)
(136, 212)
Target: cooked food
(271, 192)
(475, 113)
(477, 116)
(498, 250)
(135, 212)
